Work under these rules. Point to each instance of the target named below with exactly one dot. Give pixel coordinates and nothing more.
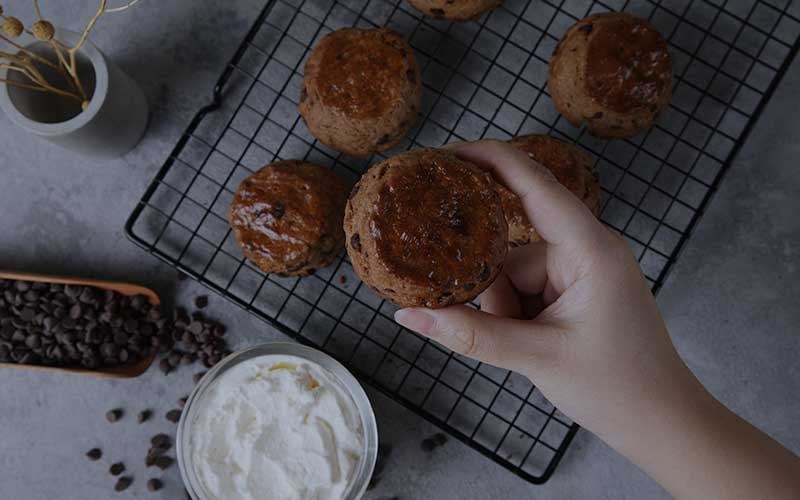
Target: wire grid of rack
(484, 78)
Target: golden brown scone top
(435, 221)
(628, 65)
(288, 214)
(359, 68)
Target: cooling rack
(484, 78)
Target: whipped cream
(276, 427)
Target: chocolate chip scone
(425, 228)
(455, 10)
(287, 217)
(361, 90)
(612, 71)
(570, 165)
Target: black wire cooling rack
(484, 78)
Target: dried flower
(13, 27)
(43, 30)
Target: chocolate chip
(116, 469)
(201, 301)
(197, 377)
(597, 115)
(114, 415)
(384, 139)
(355, 242)
(144, 416)
(94, 454)
(165, 366)
(161, 441)
(182, 401)
(486, 273)
(123, 483)
(437, 12)
(196, 327)
(154, 484)
(163, 462)
(173, 416)
(587, 28)
(342, 279)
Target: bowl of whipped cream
(277, 421)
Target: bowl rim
(345, 380)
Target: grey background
(731, 302)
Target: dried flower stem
(28, 86)
(36, 9)
(30, 54)
(37, 79)
(66, 56)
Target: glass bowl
(347, 383)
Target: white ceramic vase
(110, 126)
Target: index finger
(556, 214)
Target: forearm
(698, 449)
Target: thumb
(504, 342)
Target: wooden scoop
(131, 370)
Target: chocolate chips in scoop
(74, 325)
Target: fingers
(558, 216)
(526, 267)
(503, 342)
(501, 299)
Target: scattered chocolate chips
(154, 484)
(173, 416)
(201, 301)
(355, 242)
(144, 416)
(433, 442)
(161, 441)
(163, 462)
(116, 469)
(94, 454)
(342, 279)
(123, 483)
(114, 415)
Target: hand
(575, 315)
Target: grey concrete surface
(731, 302)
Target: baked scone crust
(455, 10)
(361, 90)
(612, 71)
(287, 217)
(425, 228)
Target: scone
(571, 166)
(361, 90)
(455, 10)
(287, 217)
(613, 72)
(425, 228)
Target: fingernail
(415, 319)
